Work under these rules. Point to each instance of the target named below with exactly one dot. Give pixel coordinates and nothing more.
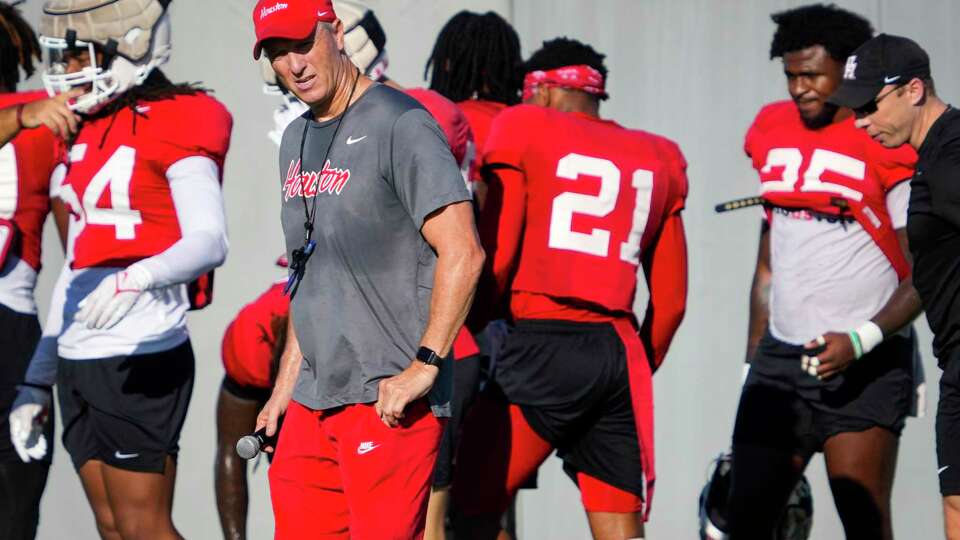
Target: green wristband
(857, 346)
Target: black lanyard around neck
(300, 256)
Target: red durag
(583, 78)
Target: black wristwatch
(428, 357)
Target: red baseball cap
(288, 19)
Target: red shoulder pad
(770, 115)
(510, 134)
(894, 165)
(186, 126)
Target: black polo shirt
(933, 227)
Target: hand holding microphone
(250, 446)
(268, 427)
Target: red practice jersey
(117, 176)
(836, 169)
(594, 197)
(26, 164)
(250, 338)
(452, 121)
(480, 115)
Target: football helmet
(364, 39)
(133, 37)
(795, 522)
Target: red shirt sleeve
(666, 270)
(679, 186)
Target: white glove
(28, 416)
(114, 297)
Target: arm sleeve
(195, 188)
(666, 271)
(679, 185)
(501, 225)
(42, 370)
(423, 172)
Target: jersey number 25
(822, 161)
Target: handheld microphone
(248, 447)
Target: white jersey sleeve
(898, 199)
(195, 188)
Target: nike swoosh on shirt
(351, 140)
(118, 455)
(363, 450)
(941, 469)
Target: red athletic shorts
(342, 474)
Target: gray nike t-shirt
(364, 300)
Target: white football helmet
(364, 39)
(132, 35)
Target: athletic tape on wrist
(870, 336)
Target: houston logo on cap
(272, 9)
(849, 70)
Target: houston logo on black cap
(850, 69)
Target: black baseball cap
(883, 60)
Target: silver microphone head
(248, 447)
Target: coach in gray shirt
(384, 261)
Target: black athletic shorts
(466, 382)
(783, 407)
(948, 425)
(126, 411)
(570, 380)
(244, 391)
(19, 335)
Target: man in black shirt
(887, 83)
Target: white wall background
(693, 70)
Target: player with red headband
(576, 204)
